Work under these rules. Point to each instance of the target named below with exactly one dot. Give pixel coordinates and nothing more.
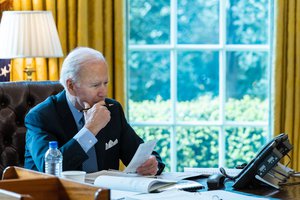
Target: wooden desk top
(20, 183)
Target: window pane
(149, 22)
(149, 85)
(198, 86)
(197, 147)
(198, 22)
(162, 135)
(242, 144)
(247, 22)
(200, 104)
(247, 86)
(149, 111)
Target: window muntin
(215, 86)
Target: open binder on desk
(265, 167)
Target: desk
(20, 183)
(288, 192)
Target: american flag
(4, 70)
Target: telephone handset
(265, 167)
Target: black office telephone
(265, 167)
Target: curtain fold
(98, 24)
(287, 76)
(5, 64)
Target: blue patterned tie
(81, 122)
(90, 165)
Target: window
(198, 78)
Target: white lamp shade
(29, 34)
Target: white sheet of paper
(179, 195)
(141, 155)
(120, 194)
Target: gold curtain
(287, 76)
(98, 24)
(5, 5)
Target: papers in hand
(129, 180)
(141, 155)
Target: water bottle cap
(53, 144)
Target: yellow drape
(287, 75)
(5, 5)
(98, 24)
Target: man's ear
(70, 86)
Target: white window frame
(222, 48)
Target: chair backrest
(16, 99)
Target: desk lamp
(29, 34)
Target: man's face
(92, 85)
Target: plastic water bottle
(53, 160)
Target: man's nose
(102, 89)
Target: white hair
(76, 59)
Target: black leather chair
(16, 99)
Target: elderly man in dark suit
(90, 128)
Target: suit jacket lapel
(65, 114)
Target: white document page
(91, 177)
(179, 195)
(134, 184)
(167, 195)
(225, 195)
(120, 194)
(141, 155)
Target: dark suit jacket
(53, 120)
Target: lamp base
(29, 70)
